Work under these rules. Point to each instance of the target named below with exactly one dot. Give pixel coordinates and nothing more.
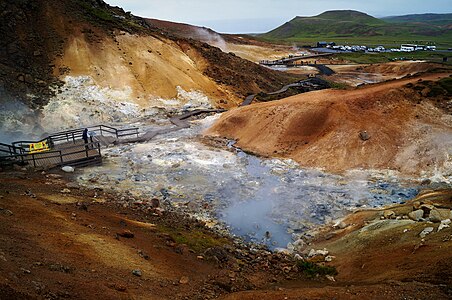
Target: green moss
(436, 91)
(338, 85)
(97, 12)
(102, 14)
(446, 83)
(195, 239)
(311, 269)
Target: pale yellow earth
(152, 67)
(256, 53)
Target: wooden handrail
(19, 150)
(77, 133)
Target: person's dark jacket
(85, 135)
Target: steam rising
(211, 38)
(250, 195)
(82, 103)
(18, 121)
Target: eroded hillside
(82, 53)
(386, 126)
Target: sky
(255, 16)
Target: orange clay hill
(403, 125)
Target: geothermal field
(149, 159)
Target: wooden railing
(58, 153)
(62, 156)
(6, 150)
(75, 135)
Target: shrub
(311, 269)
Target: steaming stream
(268, 201)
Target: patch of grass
(446, 83)
(195, 239)
(338, 85)
(311, 269)
(98, 12)
(372, 58)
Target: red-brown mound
(322, 129)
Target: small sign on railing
(39, 147)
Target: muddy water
(262, 200)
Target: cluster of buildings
(357, 48)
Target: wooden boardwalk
(65, 153)
(67, 148)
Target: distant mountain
(436, 19)
(353, 25)
(330, 23)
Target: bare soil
(322, 128)
(374, 73)
(85, 244)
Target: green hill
(435, 19)
(348, 26)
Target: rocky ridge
(38, 32)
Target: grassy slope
(357, 28)
(371, 58)
(436, 19)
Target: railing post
(34, 161)
(73, 138)
(61, 157)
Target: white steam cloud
(211, 38)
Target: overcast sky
(248, 16)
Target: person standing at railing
(91, 134)
(85, 138)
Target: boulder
(389, 214)
(299, 245)
(329, 258)
(184, 280)
(363, 135)
(416, 215)
(6, 212)
(437, 215)
(155, 202)
(68, 169)
(340, 225)
(314, 252)
(282, 251)
(444, 224)
(425, 232)
(126, 234)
